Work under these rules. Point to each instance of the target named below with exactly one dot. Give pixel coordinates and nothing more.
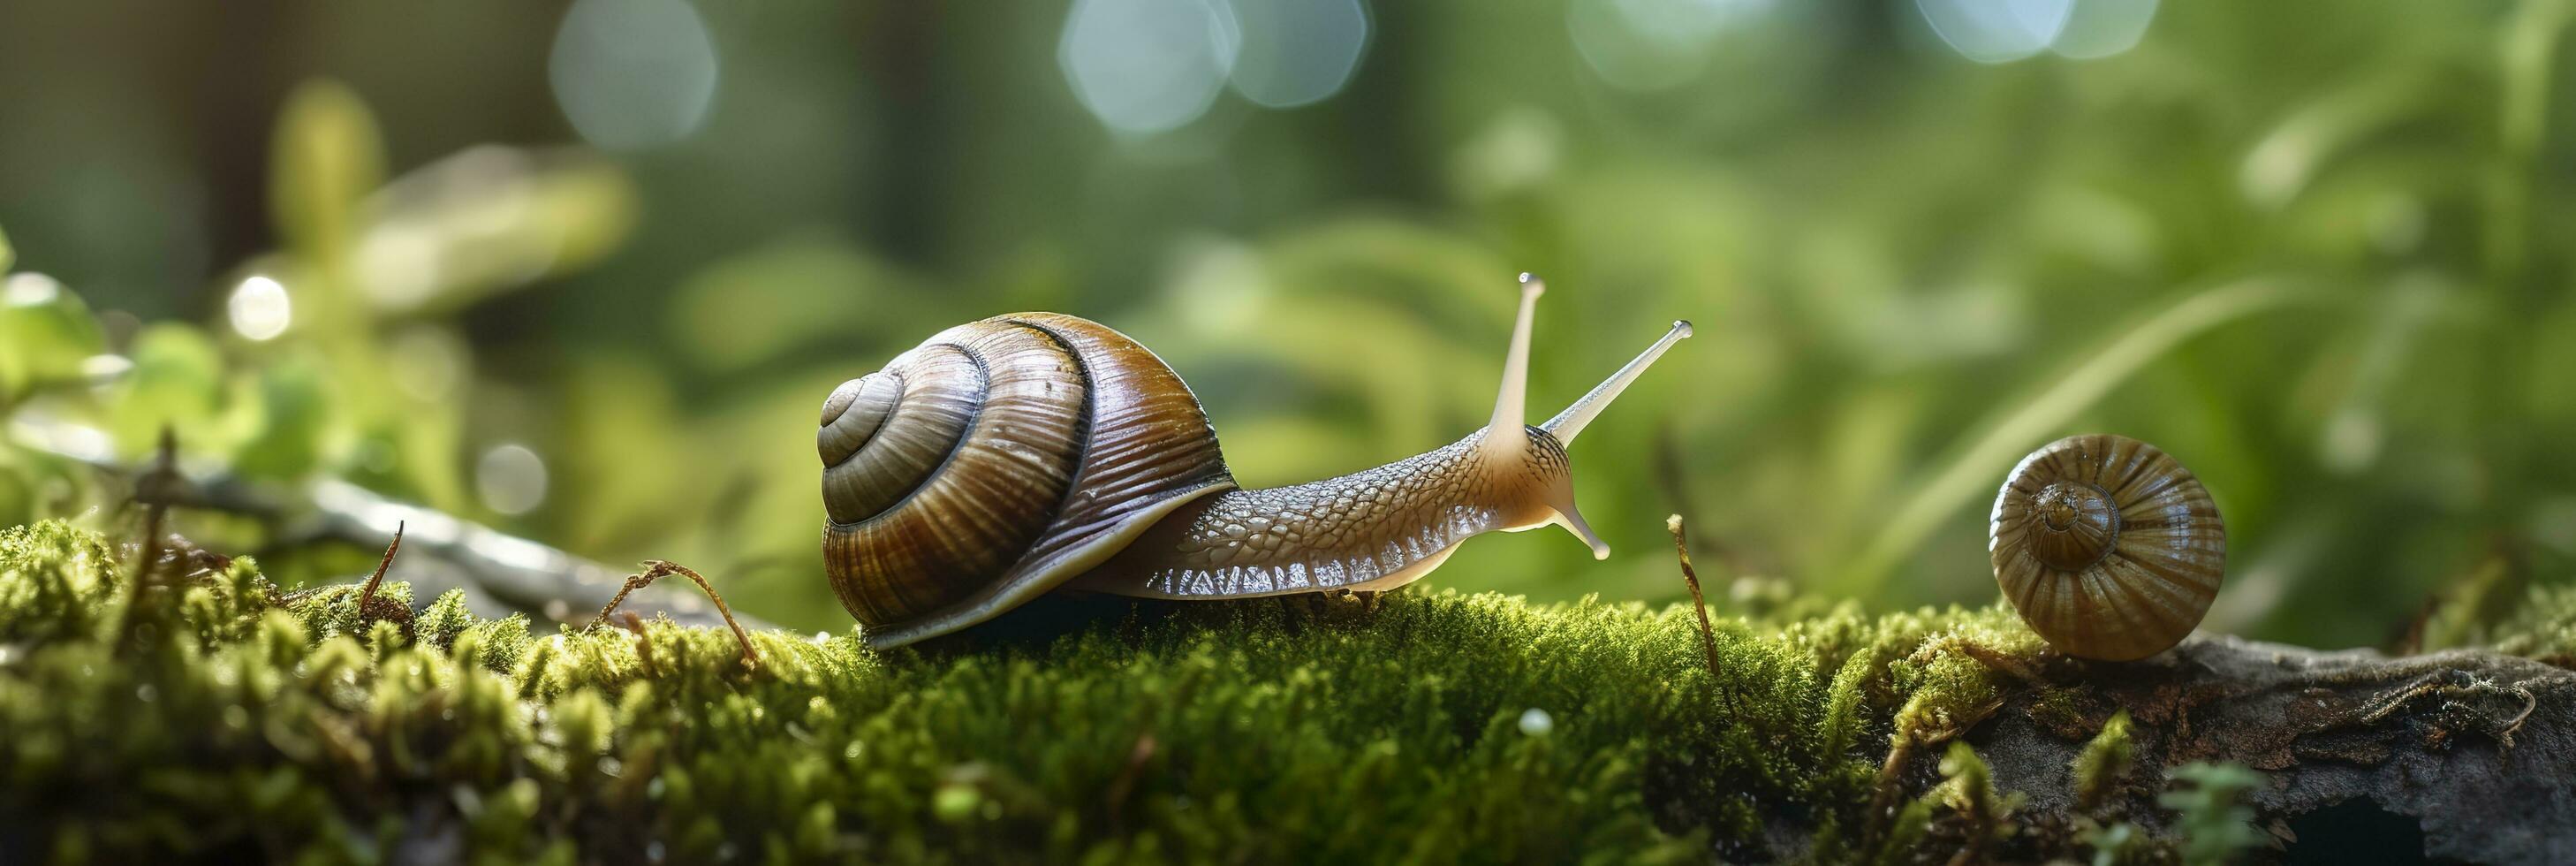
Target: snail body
(2107, 546)
(1021, 454)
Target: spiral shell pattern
(996, 460)
(2107, 547)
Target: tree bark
(2470, 751)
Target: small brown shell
(996, 460)
(2107, 547)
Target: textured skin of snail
(2107, 547)
(1378, 527)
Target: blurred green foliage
(2217, 829)
(2310, 253)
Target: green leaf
(2215, 825)
(488, 220)
(7, 255)
(326, 157)
(45, 333)
(177, 380)
(292, 416)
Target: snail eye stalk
(1502, 436)
(1570, 423)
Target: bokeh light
(1148, 66)
(259, 308)
(2002, 31)
(2101, 28)
(633, 73)
(511, 479)
(1997, 31)
(400, 264)
(29, 290)
(1653, 44)
(1298, 52)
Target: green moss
(2545, 627)
(2103, 763)
(245, 722)
(2216, 827)
(1968, 791)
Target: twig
(1707, 633)
(660, 568)
(156, 509)
(368, 595)
(521, 573)
(1125, 783)
(1673, 476)
(643, 642)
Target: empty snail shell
(1009, 457)
(2107, 547)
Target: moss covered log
(210, 716)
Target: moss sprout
(2103, 764)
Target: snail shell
(2107, 547)
(996, 460)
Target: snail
(1009, 457)
(2107, 547)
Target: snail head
(1531, 470)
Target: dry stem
(368, 595)
(657, 569)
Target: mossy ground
(220, 719)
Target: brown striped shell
(995, 461)
(2107, 547)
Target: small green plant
(2103, 764)
(2215, 826)
(1969, 792)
